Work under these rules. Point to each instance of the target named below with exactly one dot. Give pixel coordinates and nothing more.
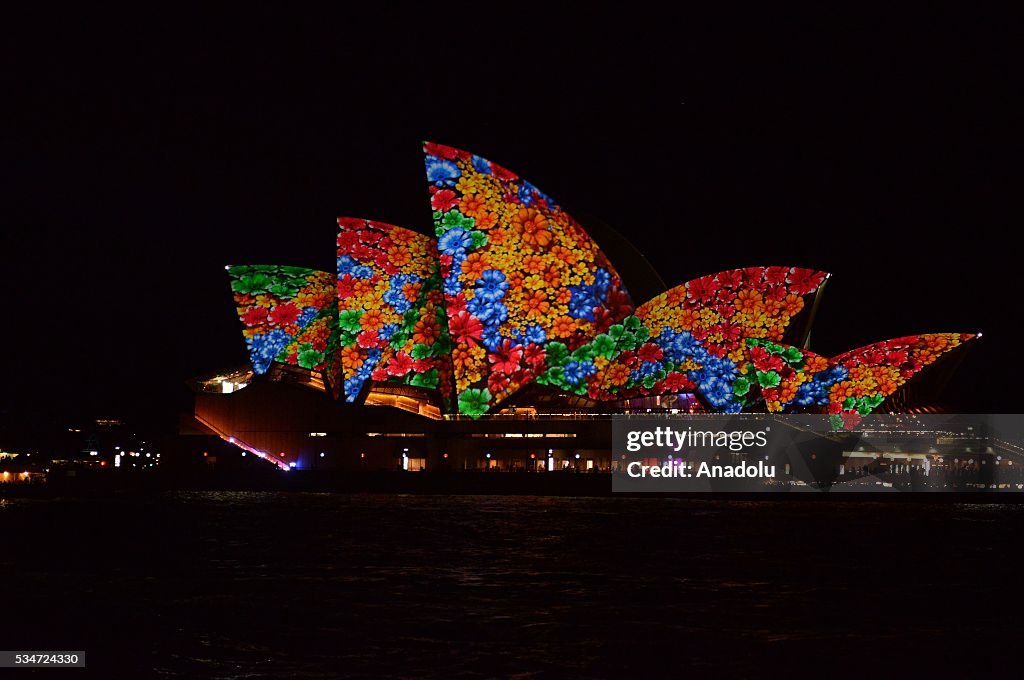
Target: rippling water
(266, 585)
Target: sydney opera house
(509, 337)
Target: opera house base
(316, 444)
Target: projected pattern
(391, 322)
(520, 277)
(850, 385)
(287, 314)
(690, 338)
(514, 291)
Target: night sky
(144, 150)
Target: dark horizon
(147, 152)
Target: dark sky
(145, 149)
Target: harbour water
(325, 585)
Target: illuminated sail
(391, 323)
(287, 314)
(521, 277)
(691, 337)
(850, 385)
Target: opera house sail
(506, 307)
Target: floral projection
(513, 291)
(521, 278)
(691, 337)
(287, 313)
(850, 385)
(391, 319)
